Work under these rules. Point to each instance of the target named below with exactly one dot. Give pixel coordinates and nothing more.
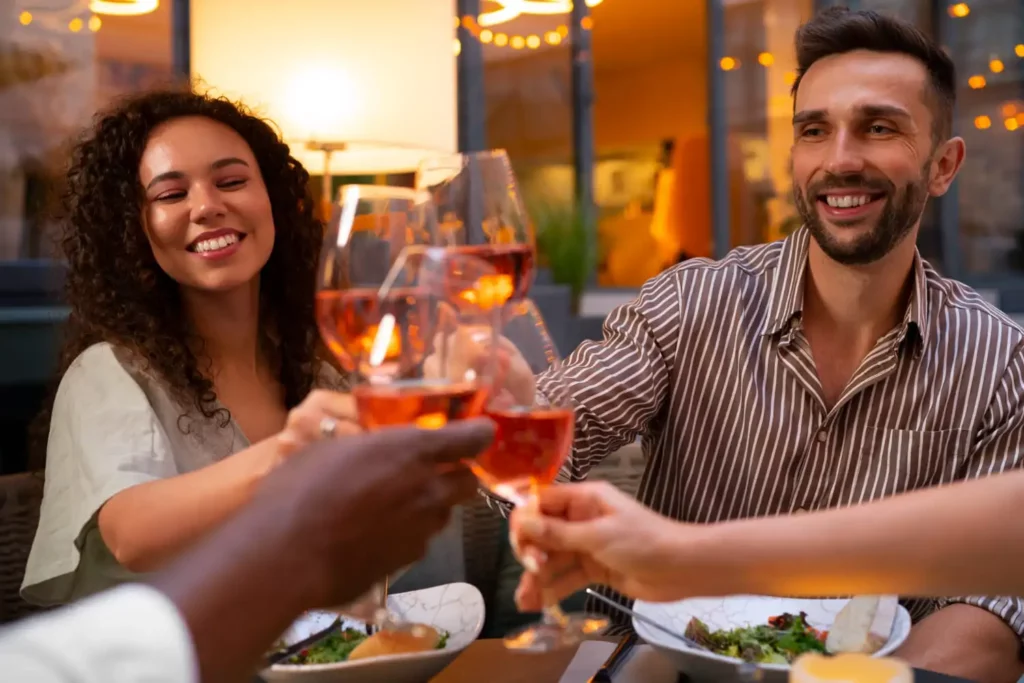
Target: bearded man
(834, 367)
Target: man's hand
(360, 507)
(965, 641)
(328, 523)
(469, 349)
(575, 535)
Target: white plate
(457, 608)
(740, 610)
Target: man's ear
(945, 164)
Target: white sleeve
(131, 634)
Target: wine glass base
(548, 636)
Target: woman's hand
(323, 414)
(575, 535)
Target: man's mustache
(853, 181)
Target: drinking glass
(535, 426)
(481, 213)
(389, 308)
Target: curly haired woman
(192, 251)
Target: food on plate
(420, 639)
(856, 667)
(351, 644)
(863, 625)
(780, 641)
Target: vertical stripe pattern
(710, 368)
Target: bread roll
(863, 625)
(419, 639)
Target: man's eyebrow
(809, 116)
(883, 111)
(867, 111)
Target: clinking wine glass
(535, 427)
(379, 305)
(481, 213)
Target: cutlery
(650, 622)
(615, 660)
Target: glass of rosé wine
(535, 421)
(391, 309)
(480, 212)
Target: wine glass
(480, 212)
(383, 308)
(535, 427)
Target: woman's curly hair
(118, 293)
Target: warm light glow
(1009, 109)
(959, 10)
(75, 25)
(728, 63)
(25, 18)
(982, 122)
(765, 59)
(1011, 124)
(456, 22)
(123, 8)
(996, 66)
(95, 23)
(563, 30)
(500, 39)
(317, 85)
(510, 9)
(1019, 49)
(457, 47)
(976, 82)
(533, 42)
(552, 38)
(1020, 118)
(517, 42)
(586, 23)
(486, 36)
(790, 77)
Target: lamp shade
(374, 80)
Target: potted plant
(564, 245)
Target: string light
(977, 82)
(1011, 124)
(532, 41)
(123, 8)
(982, 122)
(510, 9)
(75, 25)
(95, 23)
(765, 59)
(728, 63)
(25, 18)
(996, 65)
(1019, 49)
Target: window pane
(988, 48)
(760, 67)
(652, 177)
(57, 66)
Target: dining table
(489, 660)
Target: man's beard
(901, 211)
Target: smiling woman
(192, 249)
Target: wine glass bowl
(369, 229)
(481, 213)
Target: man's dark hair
(838, 30)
